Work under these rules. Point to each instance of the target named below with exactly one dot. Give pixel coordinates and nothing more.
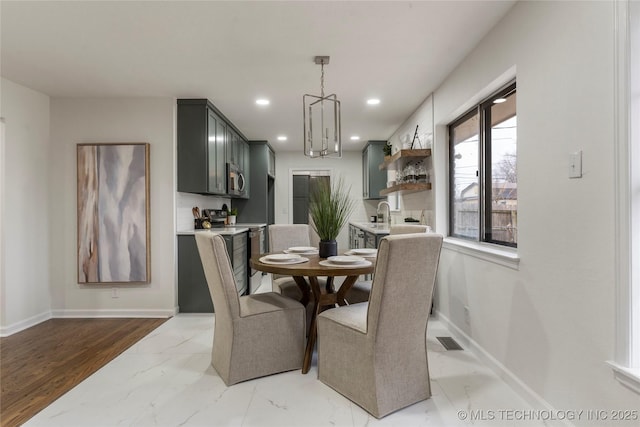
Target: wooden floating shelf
(389, 161)
(406, 188)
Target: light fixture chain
(322, 79)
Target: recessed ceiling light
(282, 138)
(373, 101)
(499, 100)
(355, 138)
(262, 101)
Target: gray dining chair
(285, 236)
(360, 290)
(375, 353)
(254, 335)
(282, 237)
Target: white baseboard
(5, 331)
(531, 397)
(132, 313)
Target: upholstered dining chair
(254, 335)
(282, 237)
(375, 353)
(360, 290)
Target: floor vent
(449, 343)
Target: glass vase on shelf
(421, 172)
(410, 173)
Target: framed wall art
(113, 213)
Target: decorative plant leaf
(330, 209)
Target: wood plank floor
(40, 364)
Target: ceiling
(236, 52)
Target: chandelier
(322, 135)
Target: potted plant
(330, 209)
(231, 216)
(387, 149)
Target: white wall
(422, 202)
(76, 121)
(551, 323)
(349, 167)
(25, 232)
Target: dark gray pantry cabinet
(260, 207)
(193, 291)
(207, 141)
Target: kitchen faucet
(388, 211)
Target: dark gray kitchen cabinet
(373, 179)
(271, 169)
(207, 140)
(201, 155)
(193, 291)
(232, 139)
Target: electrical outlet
(467, 317)
(114, 293)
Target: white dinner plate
(301, 249)
(364, 251)
(370, 256)
(281, 257)
(327, 263)
(296, 260)
(339, 259)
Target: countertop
(371, 227)
(228, 231)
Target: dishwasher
(257, 246)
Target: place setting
(347, 261)
(301, 250)
(363, 252)
(282, 259)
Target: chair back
(219, 275)
(402, 289)
(284, 236)
(409, 228)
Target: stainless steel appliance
(217, 217)
(257, 246)
(236, 184)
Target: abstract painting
(113, 213)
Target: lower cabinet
(193, 291)
(359, 238)
(372, 240)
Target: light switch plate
(575, 165)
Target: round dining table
(306, 276)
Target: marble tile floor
(166, 380)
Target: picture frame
(113, 213)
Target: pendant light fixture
(322, 135)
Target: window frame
(626, 362)
(484, 172)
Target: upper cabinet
(206, 142)
(374, 180)
(271, 170)
(397, 162)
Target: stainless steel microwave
(236, 184)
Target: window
(483, 172)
